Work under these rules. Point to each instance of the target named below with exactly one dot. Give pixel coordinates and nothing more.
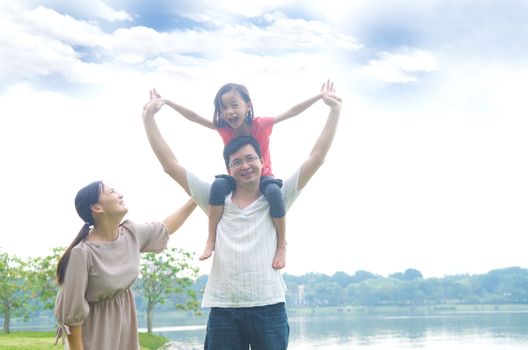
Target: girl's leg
(221, 187)
(215, 213)
(279, 261)
(270, 188)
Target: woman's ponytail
(63, 262)
(85, 198)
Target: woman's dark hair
(85, 198)
(237, 143)
(218, 121)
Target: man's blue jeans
(262, 327)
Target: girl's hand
(328, 87)
(328, 95)
(154, 94)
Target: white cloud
(280, 35)
(88, 10)
(302, 34)
(255, 8)
(228, 11)
(130, 58)
(25, 54)
(100, 9)
(399, 68)
(42, 42)
(55, 26)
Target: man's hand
(332, 100)
(153, 105)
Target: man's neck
(245, 195)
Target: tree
(408, 275)
(14, 289)
(42, 278)
(362, 275)
(412, 274)
(165, 274)
(342, 278)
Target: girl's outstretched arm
(187, 113)
(302, 106)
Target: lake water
(457, 330)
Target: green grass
(46, 340)
(28, 341)
(151, 342)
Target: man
(245, 294)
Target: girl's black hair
(85, 198)
(218, 121)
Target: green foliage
(26, 285)
(408, 275)
(14, 288)
(362, 275)
(504, 286)
(163, 275)
(42, 278)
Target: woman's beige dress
(96, 291)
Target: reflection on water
(490, 330)
(347, 330)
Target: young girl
(233, 116)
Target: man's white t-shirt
(246, 242)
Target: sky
(428, 169)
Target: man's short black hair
(237, 143)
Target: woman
(95, 306)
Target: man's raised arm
(324, 141)
(159, 145)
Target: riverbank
(174, 345)
(353, 315)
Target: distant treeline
(363, 288)
(502, 286)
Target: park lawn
(46, 340)
(28, 341)
(151, 341)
